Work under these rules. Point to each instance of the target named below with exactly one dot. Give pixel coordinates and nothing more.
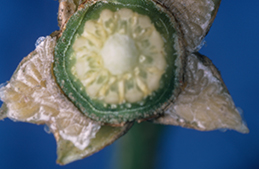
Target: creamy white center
(119, 54)
(119, 58)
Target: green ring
(94, 109)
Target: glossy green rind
(108, 113)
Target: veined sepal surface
(195, 18)
(204, 102)
(32, 95)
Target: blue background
(232, 44)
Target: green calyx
(118, 61)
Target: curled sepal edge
(68, 152)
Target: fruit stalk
(138, 149)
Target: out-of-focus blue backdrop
(232, 44)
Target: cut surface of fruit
(117, 61)
(122, 64)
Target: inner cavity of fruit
(118, 58)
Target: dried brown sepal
(195, 18)
(66, 9)
(33, 96)
(67, 152)
(204, 103)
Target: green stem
(137, 149)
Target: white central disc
(119, 58)
(119, 54)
